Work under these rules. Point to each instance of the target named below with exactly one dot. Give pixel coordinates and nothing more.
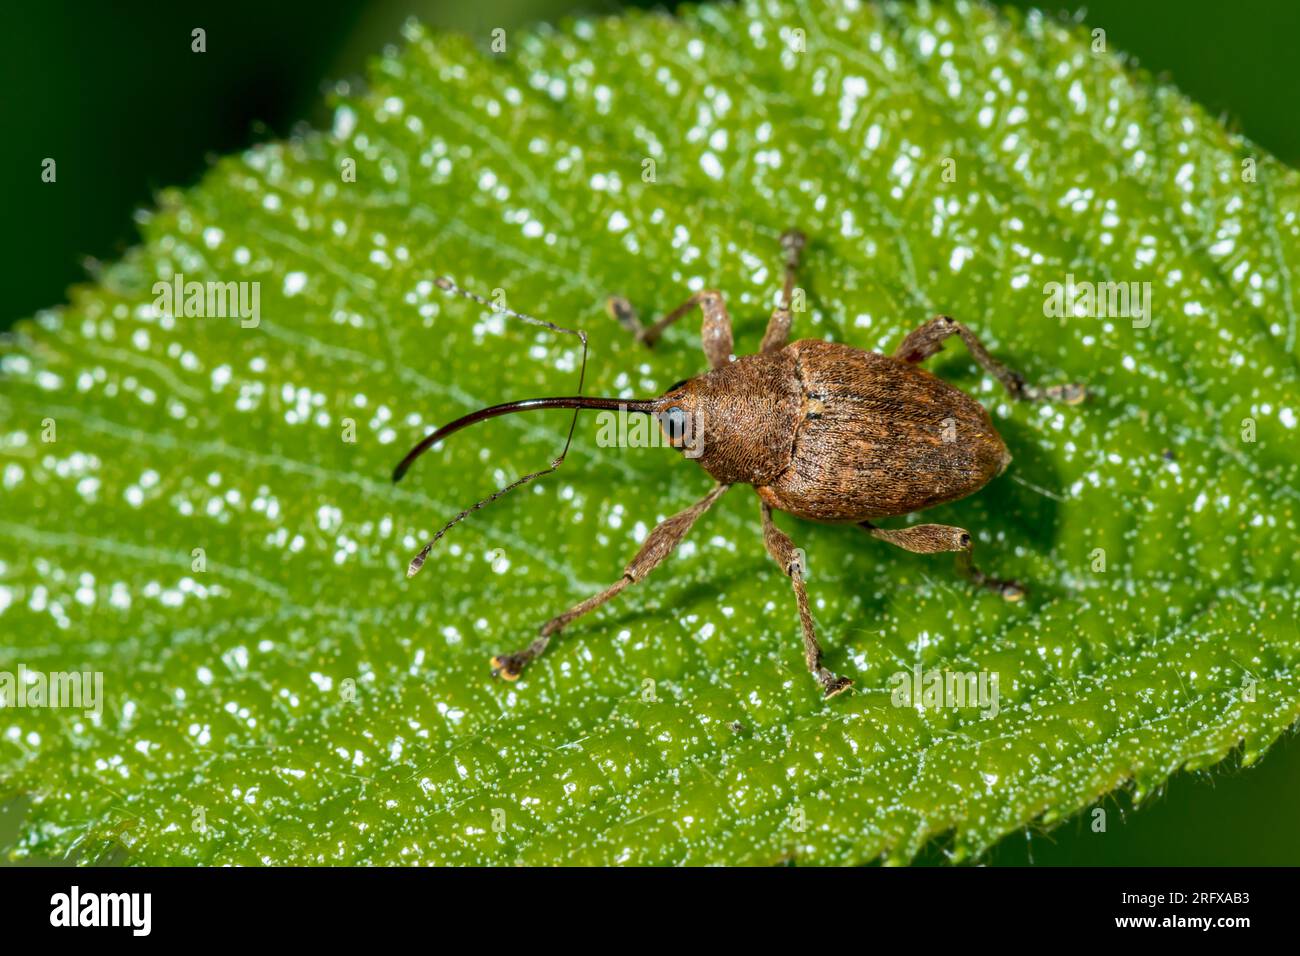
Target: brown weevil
(820, 430)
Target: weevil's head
(680, 413)
(735, 421)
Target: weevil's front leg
(658, 545)
(933, 538)
(778, 326)
(921, 343)
(783, 551)
(715, 331)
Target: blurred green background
(113, 93)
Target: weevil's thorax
(740, 418)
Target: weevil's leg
(778, 326)
(658, 545)
(783, 552)
(933, 538)
(778, 330)
(715, 331)
(921, 343)
(622, 310)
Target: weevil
(820, 430)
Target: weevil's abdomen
(880, 437)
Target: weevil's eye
(673, 421)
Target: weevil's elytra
(820, 430)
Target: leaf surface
(202, 532)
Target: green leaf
(677, 724)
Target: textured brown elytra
(820, 430)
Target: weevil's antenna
(576, 402)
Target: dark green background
(113, 93)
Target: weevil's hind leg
(658, 545)
(715, 331)
(921, 343)
(783, 552)
(934, 538)
(778, 326)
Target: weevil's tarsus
(621, 309)
(787, 557)
(510, 666)
(1010, 590)
(659, 543)
(935, 538)
(925, 341)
